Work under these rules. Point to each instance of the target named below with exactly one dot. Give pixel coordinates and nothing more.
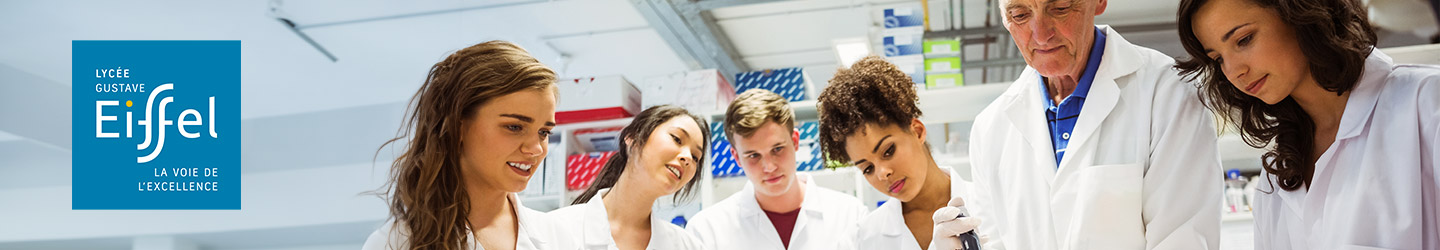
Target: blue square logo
(156, 125)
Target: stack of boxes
(902, 37)
(929, 63)
(942, 64)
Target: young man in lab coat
(1098, 145)
(778, 208)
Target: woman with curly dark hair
(870, 119)
(1355, 136)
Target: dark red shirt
(784, 224)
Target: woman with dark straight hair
(661, 153)
(1355, 136)
(475, 134)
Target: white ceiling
(301, 110)
(379, 62)
(285, 81)
(382, 61)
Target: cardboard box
(809, 156)
(596, 98)
(945, 80)
(598, 139)
(903, 16)
(722, 162)
(942, 48)
(698, 91)
(942, 65)
(902, 42)
(581, 169)
(792, 83)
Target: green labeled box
(944, 81)
(942, 65)
(942, 47)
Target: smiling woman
(475, 132)
(661, 153)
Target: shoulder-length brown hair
(1335, 36)
(638, 132)
(426, 191)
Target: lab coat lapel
(1026, 113)
(596, 222)
(1358, 108)
(750, 212)
(527, 226)
(809, 209)
(1120, 59)
(891, 211)
(1098, 104)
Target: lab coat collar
(1026, 111)
(527, 219)
(1365, 95)
(1358, 108)
(892, 210)
(749, 207)
(809, 208)
(597, 224)
(525, 233)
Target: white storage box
(596, 98)
(700, 91)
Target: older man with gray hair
(1100, 144)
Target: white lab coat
(1141, 171)
(1375, 187)
(738, 222)
(536, 232)
(885, 227)
(587, 226)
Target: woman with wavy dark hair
(1355, 136)
(474, 136)
(661, 153)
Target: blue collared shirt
(1062, 117)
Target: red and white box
(596, 98)
(580, 169)
(700, 91)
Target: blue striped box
(792, 83)
(723, 164)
